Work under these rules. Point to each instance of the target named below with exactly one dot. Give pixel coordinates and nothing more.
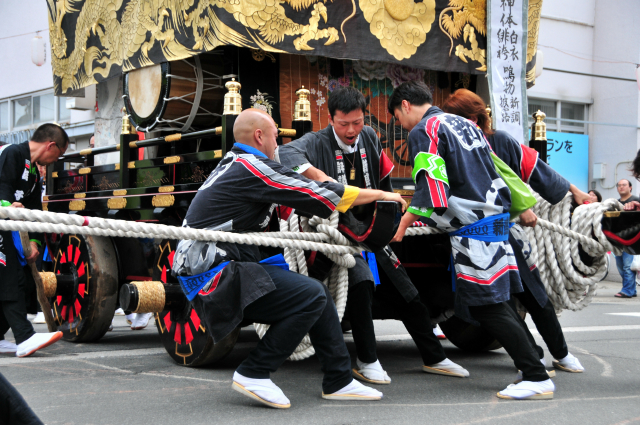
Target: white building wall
(574, 36)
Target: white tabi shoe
(262, 390)
(371, 373)
(448, 368)
(110, 326)
(37, 342)
(141, 321)
(354, 391)
(7, 347)
(39, 318)
(119, 312)
(528, 390)
(569, 364)
(438, 332)
(130, 318)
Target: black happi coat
(526, 163)
(19, 182)
(240, 196)
(322, 151)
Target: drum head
(145, 86)
(145, 90)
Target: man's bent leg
(15, 313)
(500, 321)
(291, 310)
(512, 305)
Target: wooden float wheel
(85, 313)
(183, 333)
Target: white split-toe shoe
(371, 373)
(262, 390)
(354, 391)
(528, 390)
(448, 368)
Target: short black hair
(415, 92)
(51, 133)
(345, 100)
(635, 167)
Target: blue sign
(568, 154)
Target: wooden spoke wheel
(183, 333)
(85, 313)
(468, 337)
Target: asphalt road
(127, 378)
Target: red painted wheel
(183, 333)
(84, 313)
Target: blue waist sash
(17, 242)
(494, 228)
(191, 285)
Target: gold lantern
(232, 99)
(539, 127)
(302, 107)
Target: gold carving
(117, 166)
(45, 206)
(172, 160)
(302, 107)
(85, 152)
(611, 214)
(117, 203)
(131, 164)
(77, 205)
(45, 198)
(259, 55)
(79, 195)
(120, 192)
(404, 192)
(126, 124)
(173, 137)
(54, 175)
(400, 37)
(286, 132)
(467, 17)
(165, 189)
(162, 201)
(232, 99)
(105, 184)
(133, 145)
(533, 22)
(85, 170)
(218, 131)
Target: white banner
(506, 65)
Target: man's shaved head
(256, 128)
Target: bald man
(234, 284)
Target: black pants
(547, 324)
(13, 314)
(13, 409)
(414, 315)
(503, 324)
(299, 305)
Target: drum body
(184, 95)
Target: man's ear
(330, 118)
(257, 135)
(405, 107)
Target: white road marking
(625, 314)
(595, 328)
(608, 370)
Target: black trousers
(299, 305)
(546, 322)
(504, 325)
(414, 315)
(13, 409)
(13, 314)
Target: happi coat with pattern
(240, 196)
(456, 186)
(551, 186)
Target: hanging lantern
(38, 50)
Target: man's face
(347, 126)
(623, 188)
(269, 138)
(51, 153)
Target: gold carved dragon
(465, 18)
(142, 23)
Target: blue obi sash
(191, 285)
(17, 242)
(494, 228)
(370, 258)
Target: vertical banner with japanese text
(506, 65)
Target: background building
(588, 85)
(26, 90)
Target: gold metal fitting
(539, 127)
(232, 99)
(126, 124)
(302, 107)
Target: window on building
(571, 119)
(43, 108)
(63, 112)
(4, 116)
(546, 106)
(21, 112)
(573, 112)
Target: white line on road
(596, 328)
(608, 370)
(625, 314)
